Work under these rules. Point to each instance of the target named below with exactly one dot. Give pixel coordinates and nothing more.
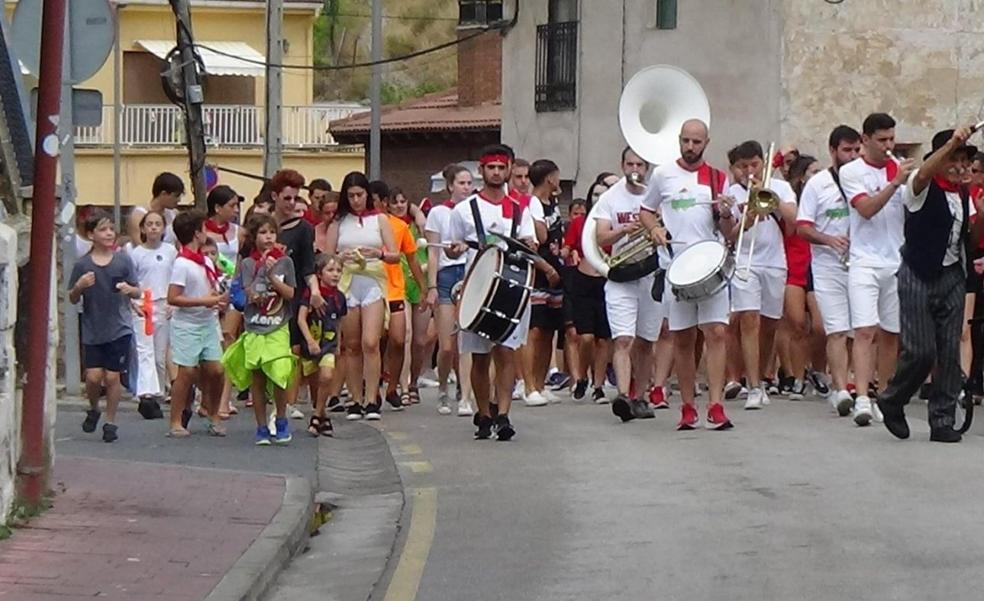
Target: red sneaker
(716, 418)
(689, 419)
(657, 399)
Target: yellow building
(151, 127)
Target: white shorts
(874, 296)
(469, 342)
(832, 293)
(687, 314)
(631, 309)
(763, 291)
(363, 291)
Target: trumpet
(761, 202)
(638, 244)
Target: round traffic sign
(89, 38)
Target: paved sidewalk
(126, 530)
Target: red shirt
(797, 259)
(572, 237)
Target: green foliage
(343, 36)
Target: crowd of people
(354, 295)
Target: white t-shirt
(914, 203)
(823, 206)
(439, 222)
(683, 197)
(169, 215)
(153, 266)
(228, 246)
(875, 242)
(493, 219)
(619, 206)
(769, 249)
(191, 276)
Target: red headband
(493, 158)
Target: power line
(399, 17)
(394, 59)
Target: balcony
(229, 126)
(556, 66)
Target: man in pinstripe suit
(931, 286)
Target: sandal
(414, 394)
(214, 430)
(405, 399)
(326, 428)
(249, 402)
(178, 433)
(233, 410)
(314, 425)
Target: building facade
(151, 130)
(785, 71)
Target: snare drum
(700, 270)
(495, 294)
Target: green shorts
(269, 353)
(309, 367)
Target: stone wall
(9, 404)
(922, 61)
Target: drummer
(498, 213)
(688, 192)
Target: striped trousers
(931, 321)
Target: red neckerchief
(276, 253)
(365, 213)
(512, 200)
(945, 185)
(216, 228)
(407, 219)
(199, 258)
(449, 203)
(327, 291)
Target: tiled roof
(434, 113)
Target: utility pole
(375, 89)
(33, 464)
(272, 140)
(192, 96)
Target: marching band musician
(931, 286)
(633, 315)
(689, 193)
(873, 187)
(822, 220)
(759, 285)
(499, 213)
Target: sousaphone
(654, 105)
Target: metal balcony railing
(556, 66)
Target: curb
(285, 535)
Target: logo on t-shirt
(838, 213)
(682, 204)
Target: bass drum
(700, 271)
(495, 294)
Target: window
(666, 14)
(556, 58)
(479, 12)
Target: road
(792, 504)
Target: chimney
(479, 67)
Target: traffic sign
(90, 36)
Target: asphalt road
(792, 504)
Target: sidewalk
(127, 530)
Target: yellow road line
(423, 521)
(410, 449)
(418, 467)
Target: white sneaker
(551, 396)
(766, 401)
(754, 400)
(423, 382)
(798, 390)
(465, 409)
(272, 421)
(876, 413)
(862, 411)
(519, 391)
(294, 412)
(444, 404)
(535, 399)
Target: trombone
(761, 202)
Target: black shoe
(580, 388)
(393, 398)
(494, 410)
(109, 433)
(149, 408)
(186, 418)
(944, 434)
(816, 380)
(484, 424)
(335, 405)
(770, 387)
(504, 430)
(243, 395)
(641, 409)
(353, 412)
(598, 395)
(91, 420)
(894, 419)
(622, 409)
